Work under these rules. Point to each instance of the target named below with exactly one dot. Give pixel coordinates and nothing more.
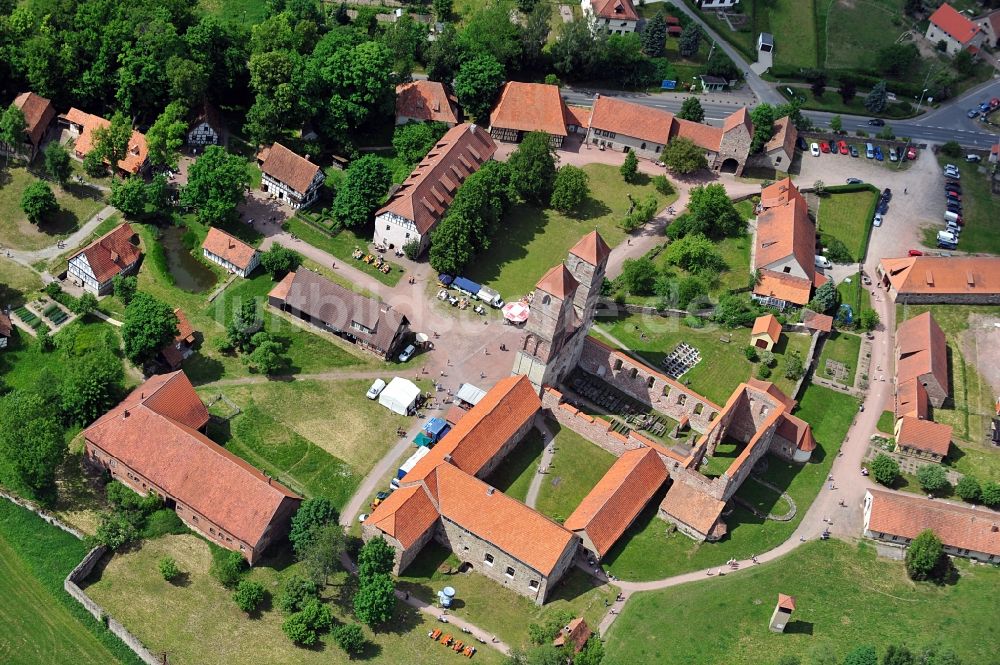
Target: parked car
(878, 153)
(916, 252)
(972, 113)
(973, 158)
(877, 221)
(362, 517)
(911, 153)
(995, 103)
(955, 208)
(376, 389)
(893, 155)
(801, 144)
(855, 181)
(824, 146)
(842, 145)
(823, 262)
(407, 353)
(953, 174)
(953, 186)
(854, 150)
(882, 207)
(984, 107)
(887, 194)
(814, 149)
(950, 167)
(877, 122)
(948, 194)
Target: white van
(946, 239)
(869, 151)
(950, 216)
(823, 262)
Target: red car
(911, 153)
(843, 147)
(916, 252)
(824, 146)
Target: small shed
(766, 332)
(400, 396)
(712, 83)
(765, 42)
(469, 394)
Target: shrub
(168, 568)
(837, 251)
(924, 556)
(751, 353)
(763, 372)
(227, 568)
(951, 149)
(295, 593)
(767, 358)
(694, 322)
(663, 185)
(412, 250)
(350, 637)
(932, 478)
(968, 489)
(885, 470)
(794, 367)
(249, 595)
(990, 493)
(115, 530)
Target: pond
(188, 272)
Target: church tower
(587, 262)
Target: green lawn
(23, 363)
(736, 254)
(577, 465)
(341, 245)
(845, 597)
(840, 347)
(646, 552)
(792, 23)
(197, 622)
(41, 622)
(723, 365)
(846, 216)
(853, 28)
(16, 282)
(77, 204)
(832, 102)
(533, 240)
(513, 476)
(980, 210)
(886, 422)
(763, 498)
(494, 608)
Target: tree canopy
(217, 182)
(691, 110)
(682, 156)
(925, 556)
(533, 168)
(477, 83)
(38, 202)
(361, 191)
(149, 325)
(570, 189)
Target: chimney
(307, 157)
(114, 256)
(489, 491)
(125, 414)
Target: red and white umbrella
(516, 312)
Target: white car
(362, 517)
(814, 149)
(407, 353)
(878, 220)
(823, 262)
(376, 389)
(953, 174)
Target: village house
(425, 101)
(784, 248)
(367, 322)
(957, 31)
(990, 25)
(532, 107)
(924, 439)
(205, 126)
(38, 115)
(780, 150)
(81, 127)
(922, 359)
(153, 443)
(96, 265)
(897, 519)
(288, 177)
(181, 346)
(231, 253)
(415, 208)
(964, 280)
(615, 17)
(6, 329)
(766, 332)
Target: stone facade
(945, 298)
(403, 556)
(621, 143)
(735, 146)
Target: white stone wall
(394, 231)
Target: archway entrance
(730, 166)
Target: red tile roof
(288, 167)
(786, 602)
(281, 289)
(784, 287)
(974, 529)
(921, 349)
(137, 152)
(911, 399)
(154, 432)
(483, 431)
(424, 100)
(185, 337)
(111, 253)
(944, 275)
(578, 115)
(530, 107)
(786, 231)
(578, 633)
(228, 248)
(773, 391)
(784, 137)
(737, 118)
(692, 506)
(779, 193)
(592, 249)
(798, 431)
(816, 321)
(703, 136)
(924, 435)
(38, 114)
(558, 281)
(406, 515)
(618, 497)
(621, 10)
(612, 114)
(954, 23)
(426, 194)
(767, 325)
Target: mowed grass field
(856, 29)
(577, 465)
(845, 216)
(531, 240)
(77, 204)
(840, 347)
(16, 282)
(845, 597)
(40, 622)
(723, 364)
(514, 475)
(646, 552)
(197, 622)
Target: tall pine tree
(654, 35)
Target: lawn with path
(844, 598)
(842, 347)
(77, 204)
(846, 216)
(647, 552)
(531, 240)
(513, 475)
(341, 245)
(577, 465)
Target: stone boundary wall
(80, 573)
(806, 362)
(910, 464)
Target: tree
(932, 478)
(166, 136)
(836, 124)
(94, 165)
(577, 51)
(951, 149)
(57, 162)
(477, 83)
(638, 276)
(245, 324)
(863, 655)
(444, 55)
(794, 367)
(877, 99)
(304, 626)
(124, 287)
(129, 196)
(990, 493)
(38, 202)
(714, 213)
(375, 599)
(682, 156)
(12, 129)
(592, 652)
(32, 444)
(654, 35)
(351, 638)
(924, 556)
(896, 59)
(249, 595)
(216, 184)
(691, 110)
(695, 253)
(115, 530)
(85, 304)
(848, 89)
(570, 189)
(897, 655)
(533, 168)
(361, 191)
(442, 9)
(630, 167)
(93, 383)
(149, 325)
(414, 139)
(168, 568)
(763, 117)
(296, 629)
(376, 558)
(279, 260)
(963, 62)
(451, 250)
(534, 36)
(885, 470)
(321, 556)
(690, 40)
(968, 489)
(111, 142)
(868, 320)
(913, 7)
(825, 299)
(265, 357)
(295, 593)
(818, 86)
(228, 569)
